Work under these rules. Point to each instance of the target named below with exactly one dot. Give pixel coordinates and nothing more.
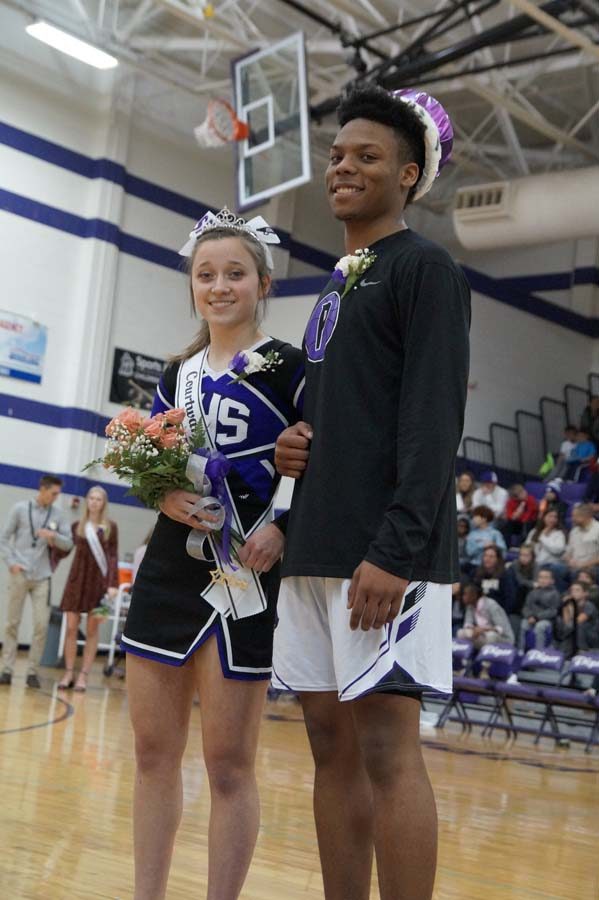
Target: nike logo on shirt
(368, 283)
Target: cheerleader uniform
(171, 615)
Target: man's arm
(430, 415)
(6, 535)
(429, 428)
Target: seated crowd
(529, 567)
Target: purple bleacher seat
(543, 659)
(584, 663)
(502, 659)
(536, 489)
(572, 492)
(462, 652)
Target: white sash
(96, 548)
(234, 599)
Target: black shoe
(33, 681)
(5, 678)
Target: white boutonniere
(247, 362)
(350, 268)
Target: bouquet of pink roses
(150, 453)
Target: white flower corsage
(350, 268)
(247, 362)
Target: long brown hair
(256, 250)
(104, 520)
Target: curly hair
(378, 105)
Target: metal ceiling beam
(179, 44)
(135, 19)
(407, 69)
(532, 118)
(505, 123)
(426, 62)
(549, 22)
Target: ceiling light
(60, 40)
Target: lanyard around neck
(31, 528)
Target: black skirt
(168, 618)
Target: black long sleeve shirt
(386, 383)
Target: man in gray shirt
(33, 528)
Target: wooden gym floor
(516, 822)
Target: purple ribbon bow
(217, 468)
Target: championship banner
(134, 378)
(22, 347)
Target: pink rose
(153, 428)
(130, 418)
(174, 416)
(169, 439)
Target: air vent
(538, 209)
(482, 201)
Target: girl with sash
(188, 629)
(94, 574)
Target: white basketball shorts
(315, 649)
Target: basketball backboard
(271, 95)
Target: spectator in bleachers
(577, 625)
(521, 512)
(566, 447)
(585, 577)
(582, 550)
(589, 421)
(490, 575)
(548, 540)
(591, 494)
(485, 622)
(540, 611)
(583, 453)
(465, 488)
(463, 532)
(520, 577)
(552, 500)
(490, 494)
(482, 534)
(457, 607)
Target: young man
(491, 494)
(371, 549)
(33, 527)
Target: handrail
(487, 444)
(494, 427)
(523, 444)
(570, 414)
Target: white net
(206, 136)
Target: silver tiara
(258, 228)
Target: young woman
(520, 578)
(490, 575)
(548, 539)
(177, 641)
(465, 487)
(94, 574)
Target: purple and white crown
(257, 228)
(438, 135)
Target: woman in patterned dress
(94, 574)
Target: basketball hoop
(221, 126)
